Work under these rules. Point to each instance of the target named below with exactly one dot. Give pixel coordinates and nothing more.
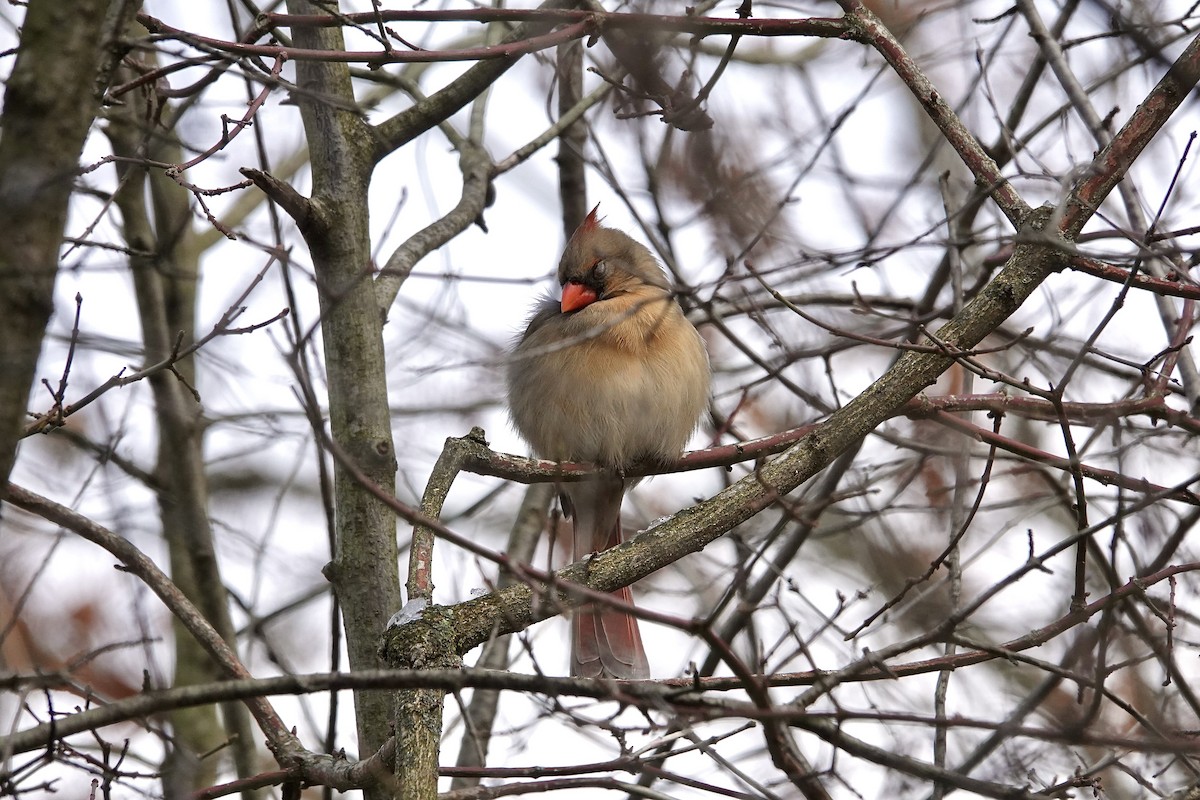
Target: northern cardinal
(612, 373)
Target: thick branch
(1109, 167)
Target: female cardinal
(611, 373)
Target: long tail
(605, 641)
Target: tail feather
(605, 641)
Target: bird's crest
(590, 224)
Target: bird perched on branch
(613, 373)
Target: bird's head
(603, 263)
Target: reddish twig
(247, 119)
(576, 30)
(483, 461)
(157, 75)
(823, 27)
(1104, 476)
(1109, 272)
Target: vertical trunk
(364, 571)
(50, 101)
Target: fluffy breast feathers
(619, 381)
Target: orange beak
(575, 296)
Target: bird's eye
(600, 268)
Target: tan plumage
(613, 373)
